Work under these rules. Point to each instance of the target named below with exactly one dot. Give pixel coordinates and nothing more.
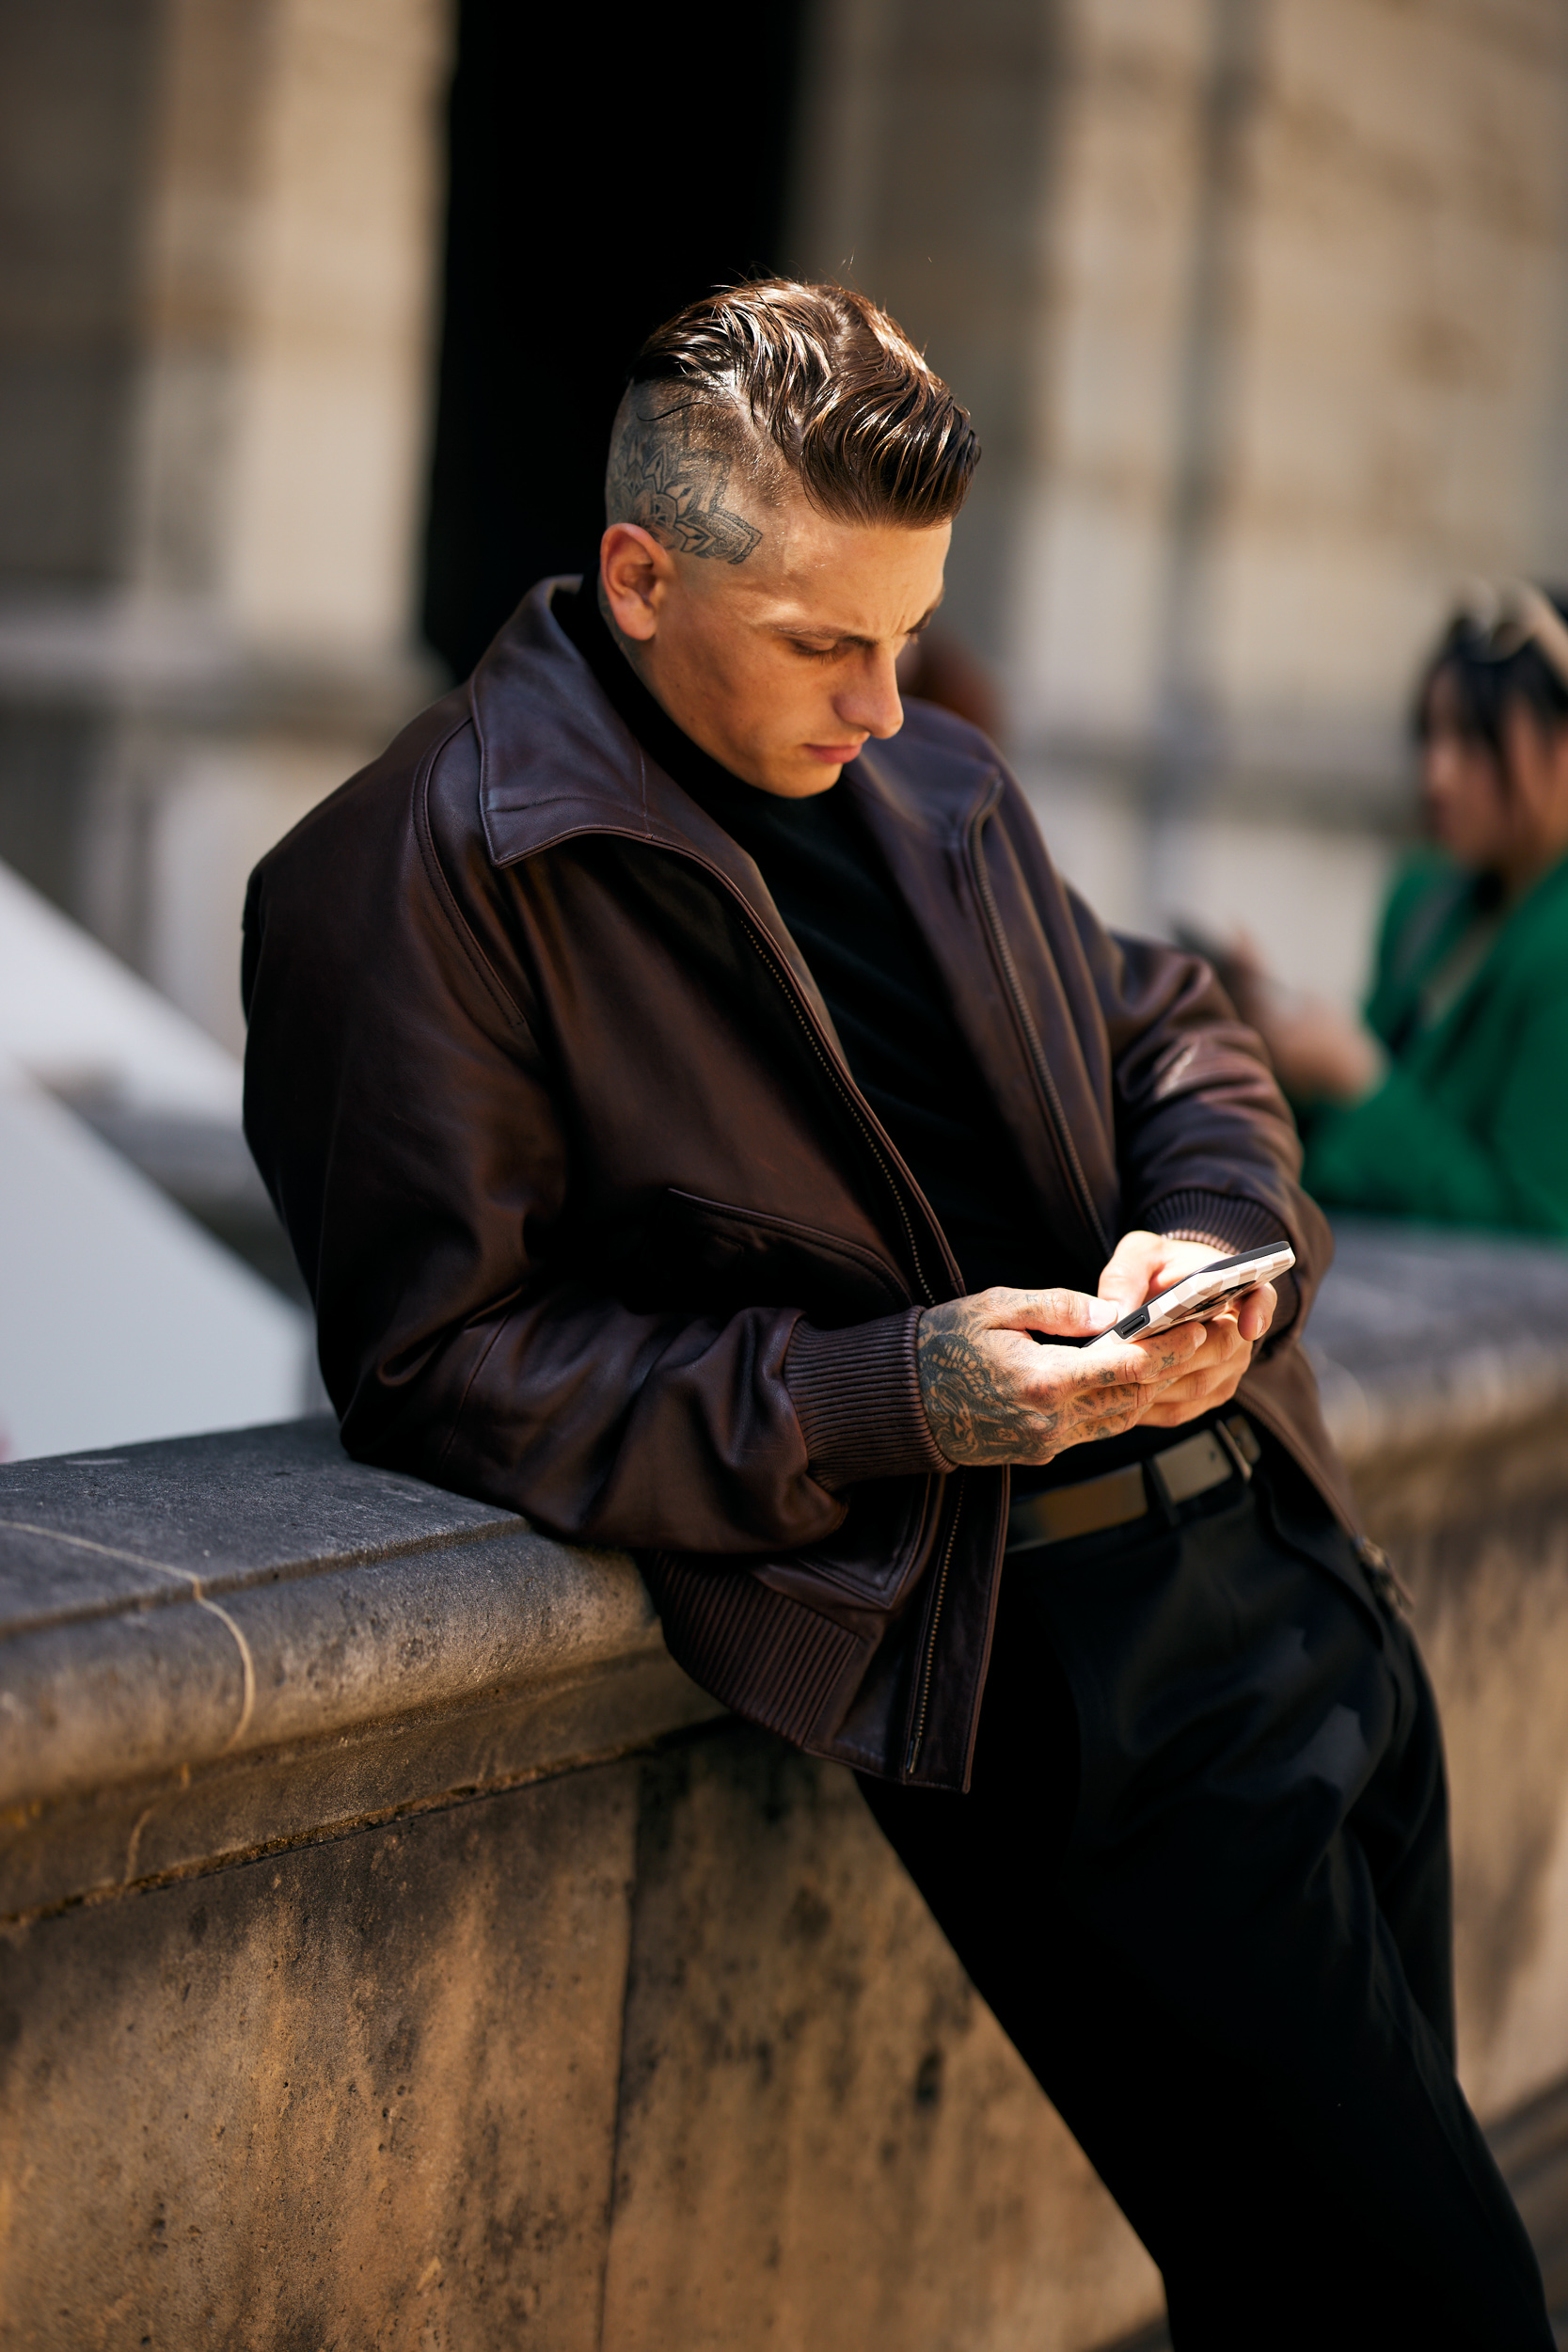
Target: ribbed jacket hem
(856, 1395)
(1231, 1224)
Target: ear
(638, 576)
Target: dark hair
(1491, 664)
(829, 383)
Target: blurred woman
(1450, 1104)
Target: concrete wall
(395, 1947)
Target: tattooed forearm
(664, 477)
(981, 1412)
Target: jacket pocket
(709, 1257)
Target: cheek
(738, 689)
(1478, 814)
(1464, 799)
(780, 696)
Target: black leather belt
(1162, 1482)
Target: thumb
(1063, 1313)
(1130, 1269)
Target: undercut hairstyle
(781, 387)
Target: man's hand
(1145, 1264)
(993, 1394)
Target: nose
(869, 698)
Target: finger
(1256, 1311)
(1129, 1269)
(1139, 1362)
(1066, 1314)
(1200, 1391)
(1224, 1333)
(1227, 1347)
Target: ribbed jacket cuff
(856, 1395)
(1219, 1217)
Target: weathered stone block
(825, 2142)
(363, 2092)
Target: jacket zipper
(1005, 956)
(1026, 1019)
(927, 1665)
(1068, 1151)
(929, 1656)
(791, 996)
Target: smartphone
(1200, 1295)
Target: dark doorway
(607, 164)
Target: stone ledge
(1421, 1336)
(189, 1820)
(1442, 1358)
(218, 1642)
(215, 1645)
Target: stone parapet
(394, 1944)
(220, 1643)
(1442, 1359)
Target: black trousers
(1202, 1879)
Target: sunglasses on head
(1509, 615)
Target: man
(696, 1125)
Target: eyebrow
(847, 637)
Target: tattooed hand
(993, 1394)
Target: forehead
(840, 578)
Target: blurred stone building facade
(1260, 306)
(220, 231)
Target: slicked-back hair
(809, 384)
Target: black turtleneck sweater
(858, 940)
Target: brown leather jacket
(598, 1225)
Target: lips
(838, 755)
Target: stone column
(242, 635)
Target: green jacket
(1470, 1126)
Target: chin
(792, 777)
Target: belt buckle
(1196, 1465)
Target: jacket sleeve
(1206, 1143)
(409, 1126)
(1201, 1128)
(1166, 1097)
(1406, 1152)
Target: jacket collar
(556, 759)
